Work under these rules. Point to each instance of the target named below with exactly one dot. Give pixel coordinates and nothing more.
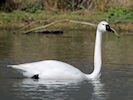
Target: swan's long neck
(97, 56)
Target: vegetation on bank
(63, 5)
(18, 13)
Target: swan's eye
(103, 24)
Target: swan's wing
(48, 69)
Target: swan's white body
(57, 70)
(51, 69)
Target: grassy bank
(120, 18)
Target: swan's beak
(114, 31)
(109, 29)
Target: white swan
(57, 70)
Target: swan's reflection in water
(99, 92)
(59, 90)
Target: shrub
(7, 5)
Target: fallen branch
(38, 21)
(59, 21)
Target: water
(73, 47)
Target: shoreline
(18, 19)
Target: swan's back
(50, 69)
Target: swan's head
(103, 26)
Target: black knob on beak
(109, 29)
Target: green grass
(20, 18)
(111, 14)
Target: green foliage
(118, 14)
(31, 7)
(129, 15)
(4, 17)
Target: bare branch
(59, 21)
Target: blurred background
(27, 11)
(64, 5)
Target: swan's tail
(10, 65)
(24, 71)
(13, 66)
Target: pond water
(73, 47)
